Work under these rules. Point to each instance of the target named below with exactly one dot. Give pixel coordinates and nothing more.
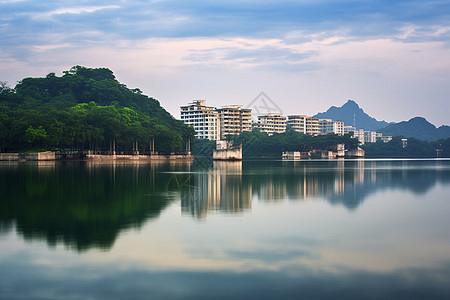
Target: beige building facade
(234, 119)
(330, 126)
(271, 123)
(204, 119)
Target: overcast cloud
(392, 57)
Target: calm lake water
(352, 229)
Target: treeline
(414, 148)
(257, 144)
(85, 109)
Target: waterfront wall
(227, 154)
(27, 156)
(139, 157)
(9, 156)
(47, 156)
(39, 156)
(355, 153)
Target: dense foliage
(85, 109)
(257, 144)
(414, 148)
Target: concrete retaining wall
(138, 157)
(39, 156)
(229, 154)
(46, 156)
(9, 156)
(27, 156)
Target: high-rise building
(204, 119)
(271, 123)
(234, 119)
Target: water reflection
(230, 186)
(314, 231)
(219, 187)
(87, 205)
(83, 205)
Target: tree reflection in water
(87, 205)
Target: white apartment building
(271, 123)
(234, 119)
(359, 134)
(383, 138)
(312, 126)
(348, 129)
(330, 126)
(370, 137)
(204, 119)
(297, 122)
(304, 124)
(365, 136)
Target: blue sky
(391, 57)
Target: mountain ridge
(419, 128)
(352, 115)
(416, 127)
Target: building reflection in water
(231, 186)
(218, 188)
(92, 203)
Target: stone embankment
(47, 156)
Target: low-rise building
(359, 134)
(330, 126)
(365, 136)
(349, 129)
(370, 137)
(383, 138)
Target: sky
(391, 57)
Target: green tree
(35, 136)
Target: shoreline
(53, 156)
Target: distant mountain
(418, 128)
(351, 113)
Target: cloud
(249, 56)
(100, 281)
(72, 10)
(337, 43)
(173, 18)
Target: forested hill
(85, 109)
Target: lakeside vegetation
(85, 109)
(414, 148)
(257, 144)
